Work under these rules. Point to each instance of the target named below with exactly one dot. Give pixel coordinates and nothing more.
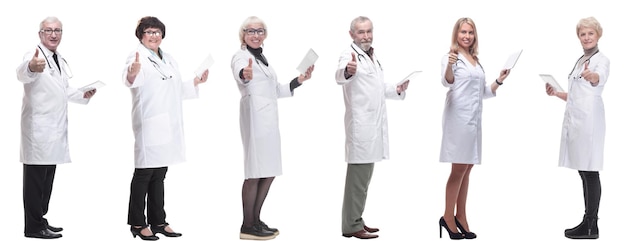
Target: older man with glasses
(44, 142)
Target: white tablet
(308, 60)
(552, 82)
(412, 76)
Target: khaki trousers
(358, 178)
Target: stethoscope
(360, 55)
(583, 63)
(158, 68)
(460, 60)
(68, 71)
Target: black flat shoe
(43, 234)
(161, 229)
(54, 229)
(256, 232)
(265, 227)
(137, 232)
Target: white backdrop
(518, 193)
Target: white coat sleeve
(24, 74)
(602, 68)
(444, 66)
(189, 89)
(141, 77)
(345, 57)
(76, 96)
(392, 93)
(488, 93)
(283, 90)
(238, 62)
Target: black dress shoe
(54, 229)
(43, 234)
(161, 229)
(361, 234)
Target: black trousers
(36, 192)
(147, 182)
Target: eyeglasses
(252, 31)
(153, 33)
(50, 31)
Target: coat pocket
(365, 127)
(157, 130)
(45, 129)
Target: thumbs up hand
(37, 64)
(351, 67)
(247, 71)
(453, 55)
(135, 67)
(592, 77)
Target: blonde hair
(589, 22)
(473, 50)
(244, 25)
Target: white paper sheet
(94, 85)
(206, 64)
(308, 60)
(510, 63)
(552, 82)
(412, 76)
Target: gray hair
(50, 19)
(359, 19)
(244, 25)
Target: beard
(365, 46)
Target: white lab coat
(365, 116)
(44, 110)
(582, 137)
(157, 115)
(258, 116)
(462, 116)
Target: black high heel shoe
(161, 229)
(453, 235)
(137, 232)
(466, 234)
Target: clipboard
(510, 62)
(552, 82)
(308, 60)
(412, 76)
(206, 64)
(92, 86)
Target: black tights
(253, 194)
(591, 191)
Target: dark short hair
(149, 22)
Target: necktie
(56, 60)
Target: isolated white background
(518, 193)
